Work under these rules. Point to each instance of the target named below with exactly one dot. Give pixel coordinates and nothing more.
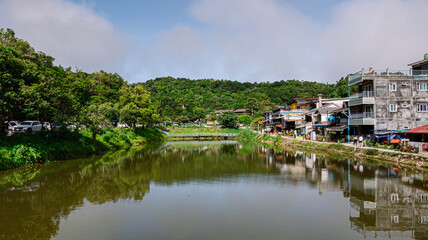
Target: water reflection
(383, 200)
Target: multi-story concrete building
(389, 100)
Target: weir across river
(203, 135)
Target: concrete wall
(406, 115)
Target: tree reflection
(35, 199)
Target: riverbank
(28, 149)
(411, 160)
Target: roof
(241, 110)
(339, 110)
(221, 111)
(419, 130)
(326, 108)
(303, 100)
(338, 128)
(418, 63)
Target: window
(394, 197)
(424, 219)
(423, 107)
(394, 219)
(393, 107)
(422, 86)
(393, 87)
(423, 198)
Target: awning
(263, 121)
(280, 126)
(419, 130)
(339, 110)
(295, 120)
(338, 128)
(300, 126)
(322, 125)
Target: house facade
(389, 100)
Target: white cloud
(73, 34)
(244, 40)
(382, 33)
(265, 40)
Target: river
(213, 190)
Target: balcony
(362, 118)
(362, 115)
(364, 97)
(359, 77)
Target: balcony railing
(419, 72)
(362, 115)
(363, 94)
(386, 72)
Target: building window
(394, 197)
(423, 198)
(394, 219)
(422, 86)
(423, 107)
(424, 219)
(393, 107)
(392, 87)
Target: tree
(95, 118)
(111, 113)
(136, 106)
(228, 120)
(182, 119)
(245, 119)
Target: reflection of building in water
(306, 167)
(383, 200)
(386, 205)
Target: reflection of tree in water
(33, 210)
(34, 199)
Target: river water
(213, 190)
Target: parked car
(47, 125)
(9, 125)
(56, 126)
(28, 126)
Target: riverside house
(287, 117)
(327, 118)
(389, 100)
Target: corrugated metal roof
(416, 64)
(419, 130)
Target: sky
(243, 40)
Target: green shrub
(372, 152)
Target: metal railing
(363, 94)
(362, 115)
(419, 72)
(356, 77)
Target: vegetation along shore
(412, 160)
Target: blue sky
(244, 40)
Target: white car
(9, 126)
(47, 125)
(28, 126)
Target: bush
(372, 152)
(27, 149)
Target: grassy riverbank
(28, 149)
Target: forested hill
(32, 87)
(194, 98)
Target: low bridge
(203, 135)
